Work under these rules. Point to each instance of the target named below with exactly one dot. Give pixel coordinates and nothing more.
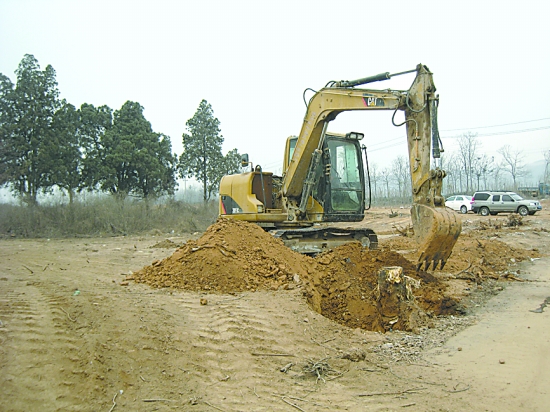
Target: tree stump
(394, 298)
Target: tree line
(47, 143)
(468, 170)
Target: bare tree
(496, 173)
(512, 162)
(480, 169)
(546, 177)
(374, 178)
(453, 182)
(401, 175)
(468, 144)
(385, 176)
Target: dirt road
(74, 336)
(505, 357)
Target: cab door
(344, 180)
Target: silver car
(490, 203)
(461, 203)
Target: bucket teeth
(427, 263)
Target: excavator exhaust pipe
(436, 231)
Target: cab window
(496, 198)
(291, 147)
(506, 198)
(345, 177)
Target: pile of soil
(165, 244)
(485, 255)
(343, 284)
(232, 256)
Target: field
(90, 324)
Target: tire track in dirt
(125, 332)
(230, 323)
(38, 347)
(239, 344)
(244, 328)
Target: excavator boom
(436, 229)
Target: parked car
(489, 202)
(461, 203)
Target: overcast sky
(252, 60)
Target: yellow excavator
(323, 177)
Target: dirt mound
(485, 255)
(165, 244)
(231, 256)
(491, 255)
(343, 284)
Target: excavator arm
(436, 229)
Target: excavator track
(314, 240)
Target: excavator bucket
(436, 230)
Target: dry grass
(105, 217)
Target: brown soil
(231, 257)
(343, 284)
(477, 255)
(227, 323)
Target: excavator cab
(339, 177)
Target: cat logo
(372, 101)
